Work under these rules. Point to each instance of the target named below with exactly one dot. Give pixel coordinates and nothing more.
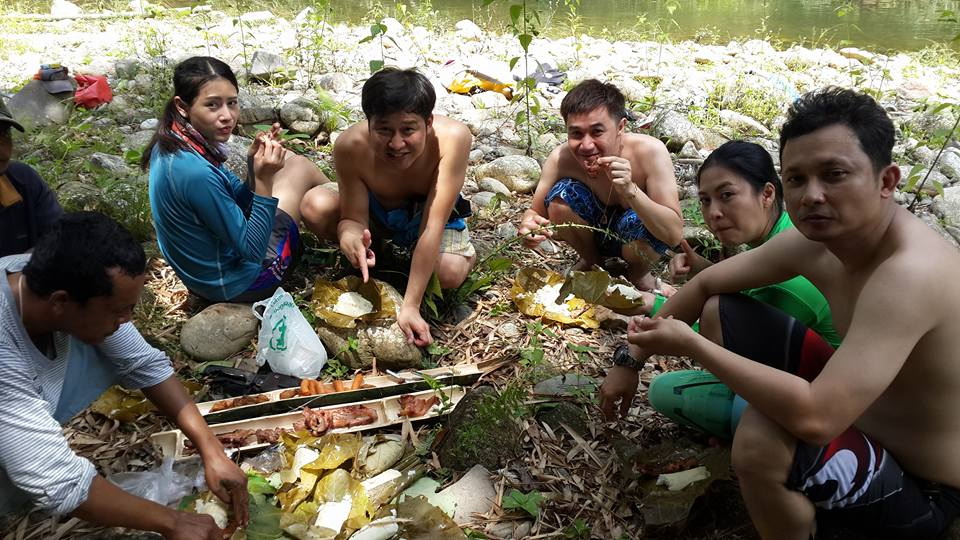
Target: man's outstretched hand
(662, 336)
(619, 387)
(414, 327)
(532, 231)
(229, 484)
(357, 249)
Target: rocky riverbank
(692, 96)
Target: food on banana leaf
(352, 304)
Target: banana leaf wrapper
(524, 290)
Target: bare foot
(666, 289)
(655, 285)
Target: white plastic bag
(162, 485)
(286, 340)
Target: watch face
(621, 357)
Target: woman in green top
(742, 204)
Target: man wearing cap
(27, 205)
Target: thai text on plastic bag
(287, 342)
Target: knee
(320, 205)
(710, 325)
(757, 455)
(639, 252)
(302, 167)
(452, 270)
(560, 212)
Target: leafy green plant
(206, 25)
(528, 502)
(500, 308)
(445, 403)
(710, 246)
(525, 24)
(578, 530)
(532, 355)
(440, 302)
(917, 189)
(417, 13)
(846, 10)
(378, 31)
(951, 16)
(312, 48)
(493, 413)
(240, 7)
(335, 368)
(582, 352)
(760, 104)
(435, 349)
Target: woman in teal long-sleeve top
(226, 239)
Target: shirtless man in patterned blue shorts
(617, 182)
(868, 434)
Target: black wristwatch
(621, 357)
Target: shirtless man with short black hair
(620, 183)
(400, 173)
(872, 436)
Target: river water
(875, 24)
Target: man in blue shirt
(27, 206)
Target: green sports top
(795, 296)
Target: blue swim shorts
(621, 226)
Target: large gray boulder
(237, 148)
(128, 68)
(951, 205)
(335, 82)
(257, 109)
(380, 341)
(113, 164)
(950, 163)
(468, 30)
(304, 115)
(742, 123)
(494, 185)
(33, 107)
(676, 130)
(265, 64)
(74, 195)
(137, 140)
(518, 173)
(64, 9)
(258, 115)
(219, 331)
(481, 200)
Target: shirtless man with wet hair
(400, 173)
(608, 179)
(870, 438)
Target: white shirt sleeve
(137, 364)
(33, 451)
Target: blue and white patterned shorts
(624, 225)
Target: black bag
(237, 382)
